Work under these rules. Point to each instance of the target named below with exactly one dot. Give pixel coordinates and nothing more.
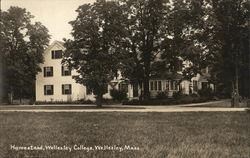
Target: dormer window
(56, 54)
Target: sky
(54, 14)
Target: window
(167, 85)
(159, 86)
(204, 85)
(173, 85)
(89, 91)
(151, 85)
(66, 89)
(155, 86)
(48, 90)
(123, 87)
(48, 71)
(195, 85)
(56, 54)
(66, 71)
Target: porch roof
(167, 76)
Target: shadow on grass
(71, 107)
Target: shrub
(83, 101)
(194, 95)
(161, 95)
(206, 92)
(177, 95)
(118, 95)
(131, 102)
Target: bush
(194, 95)
(206, 92)
(82, 101)
(131, 102)
(177, 95)
(118, 95)
(161, 95)
(168, 101)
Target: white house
(55, 82)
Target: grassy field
(157, 135)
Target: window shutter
(70, 90)
(44, 88)
(62, 89)
(52, 54)
(44, 71)
(52, 89)
(62, 69)
(51, 71)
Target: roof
(60, 43)
(167, 76)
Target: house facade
(55, 82)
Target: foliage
(94, 51)
(227, 37)
(22, 44)
(178, 94)
(145, 29)
(208, 92)
(169, 101)
(161, 95)
(118, 95)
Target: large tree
(228, 42)
(22, 45)
(145, 31)
(95, 51)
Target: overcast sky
(54, 14)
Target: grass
(158, 135)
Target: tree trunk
(140, 92)
(99, 100)
(146, 94)
(10, 96)
(235, 88)
(21, 95)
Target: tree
(22, 45)
(145, 30)
(227, 42)
(95, 50)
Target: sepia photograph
(124, 79)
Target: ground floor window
(195, 85)
(66, 89)
(123, 87)
(172, 85)
(156, 85)
(204, 85)
(48, 89)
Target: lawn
(173, 135)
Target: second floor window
(66, 71)
(56, 54)
(48, 71)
